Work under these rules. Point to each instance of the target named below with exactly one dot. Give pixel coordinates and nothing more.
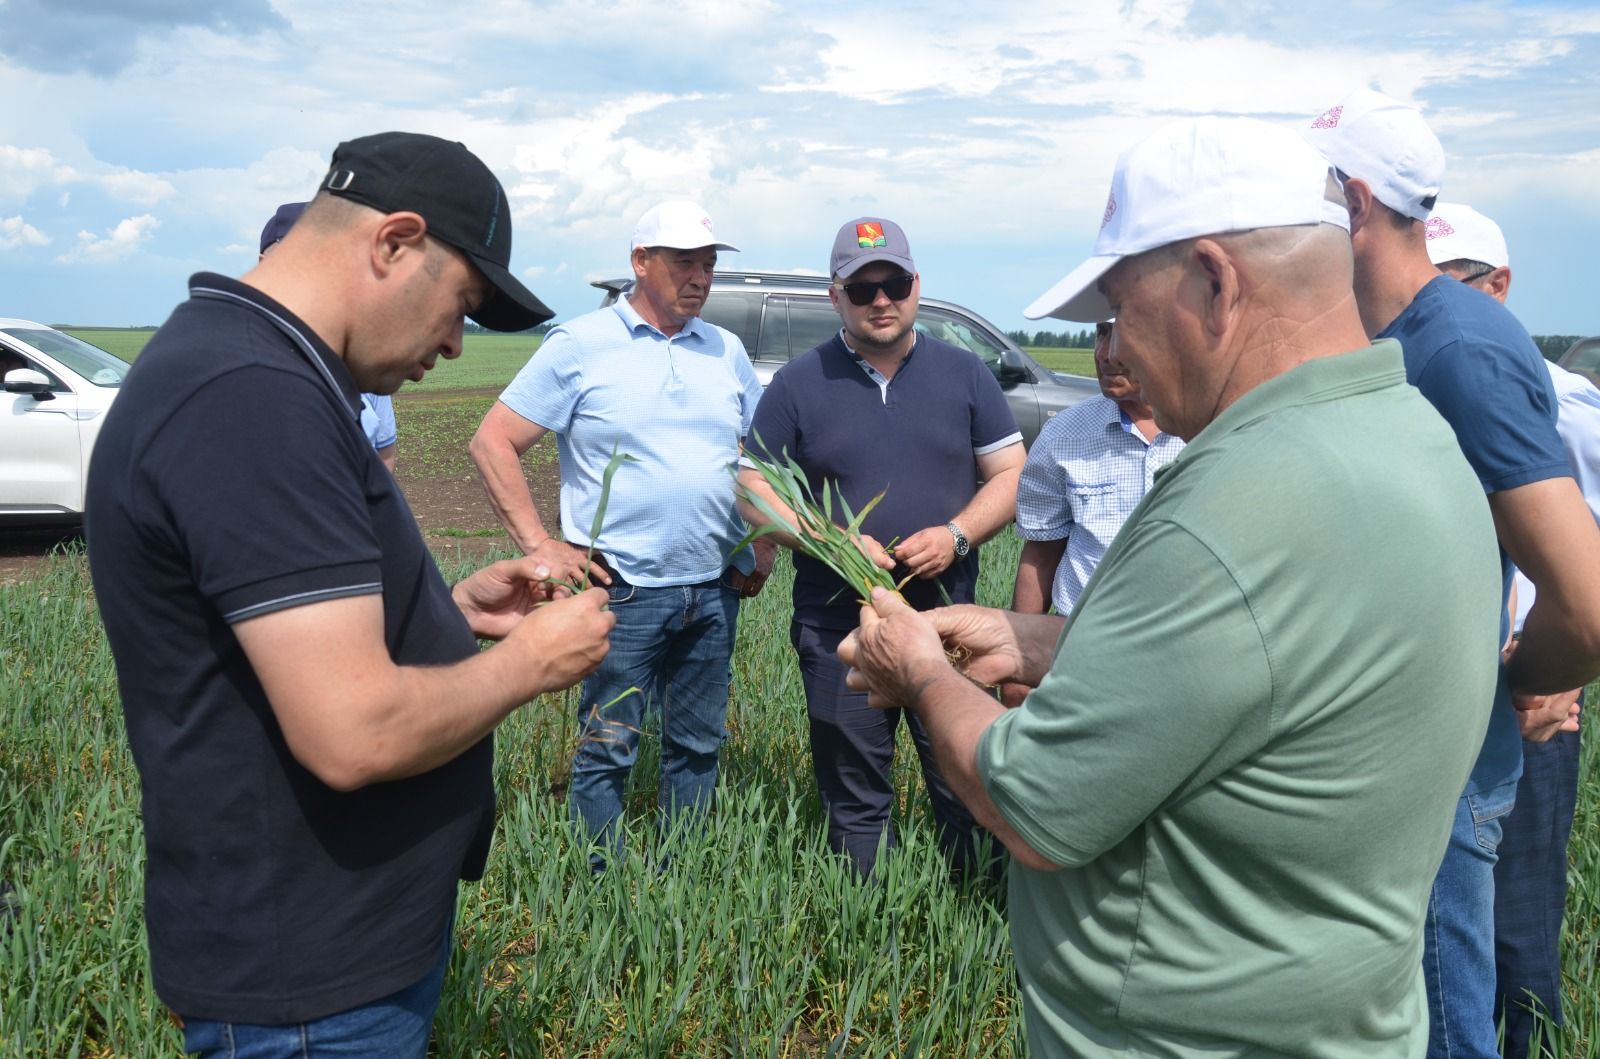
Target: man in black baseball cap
(304, 695)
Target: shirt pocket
(1091, 501)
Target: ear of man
(1222, 292)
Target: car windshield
(91, 362)
(958, 332)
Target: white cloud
(24, 170)
(536, 271)
(141, 189)
(16, 233)
(119, 242)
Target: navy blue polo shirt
(232, 479)
(916, 441)
(1474, 362)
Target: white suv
(56, 392)
(778, 316)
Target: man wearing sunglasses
(882, 409)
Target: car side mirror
(26, 380)
(1012, 369)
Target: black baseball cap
(456, 194)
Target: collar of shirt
(695, 328)
(873, 373)
(328, 364)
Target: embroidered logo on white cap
(1460, 233)
(1203, 176)
(678, 224)
(1387, 145)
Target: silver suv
(779, 316)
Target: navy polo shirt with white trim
(915, 438)
(232, 479)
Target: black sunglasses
(1477, 274)
(898, 289)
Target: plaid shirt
(1086, 473)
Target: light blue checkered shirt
(679, 406)
(1087, 471)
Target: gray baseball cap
(865, 240)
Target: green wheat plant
(815, 527)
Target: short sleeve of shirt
(1501, 408)
(547, 388)
(749, 383)
(266, 501)
(993, 425)
(1043, 510)
(1102, 744)
(774, 428)
(377, 419)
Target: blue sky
(142, 140)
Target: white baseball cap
(1385, 143)
(1460, 233)
(679, 224)
(1201, 176)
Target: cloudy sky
(142, 140)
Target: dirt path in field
(438, 500)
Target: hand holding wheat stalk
(811, 525)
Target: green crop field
(751, 940)
(491, 360)
(1071, 361)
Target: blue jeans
(1530, 890)
(394, 1027)
(1458, 937)
(675, 645)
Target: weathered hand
(497, 597)
(893, 654)
(1541, 716)
(566, 562)
(983, 640)
(927, 553)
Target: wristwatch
(963, 546)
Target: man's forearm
(991, 508)
(1036, 575)
(955, 714)
(1553, 654)
(500, 468)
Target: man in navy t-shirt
(304, 695)
(1475, 363)
(877, 409)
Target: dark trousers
(852, 750)
(1530, 884)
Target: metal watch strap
(963, 546)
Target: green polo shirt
(1251, 741)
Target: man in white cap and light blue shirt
(1530, 876)
(647, 379)
(1223, 803)
(1474, 362)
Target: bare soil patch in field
(433, 468)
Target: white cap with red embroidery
(1460, 233)
(1201, 176)
(1387, 145)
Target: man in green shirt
(1230, 790)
